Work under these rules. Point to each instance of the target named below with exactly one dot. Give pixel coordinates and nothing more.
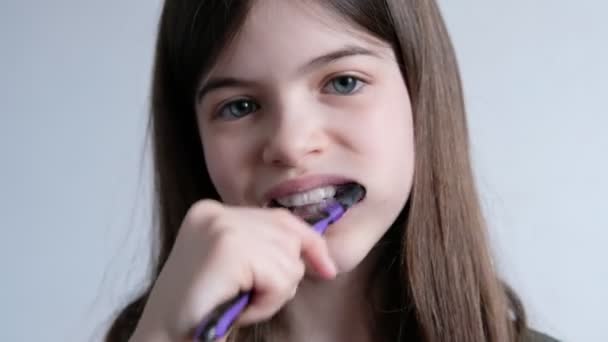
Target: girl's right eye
(237, 109)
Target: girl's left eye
(344, 85)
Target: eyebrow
(216, 83)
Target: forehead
(280, 36)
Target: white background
(74, 183)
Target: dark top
(535, 336)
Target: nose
(293, 138)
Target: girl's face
(302, 93)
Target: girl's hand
(221, 251)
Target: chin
(351, 240)
(350, 243)
(347, 261)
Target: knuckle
(206, 220)
(225, 241)
(283, 216)
(284, 286)
(222, 245)
(202, 212)
(275, 283)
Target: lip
(301, 184)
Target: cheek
(386, 146)
(384, 127)
(226, 170)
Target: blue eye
(237, 109)
(345, 85)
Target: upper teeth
(312, 196)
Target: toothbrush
(218, 324)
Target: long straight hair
(444, 284)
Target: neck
(337, 310)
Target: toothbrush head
(350, 195)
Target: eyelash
(359, 84)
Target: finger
(313, 247)
(273, 287)
(291, 265)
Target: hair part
(445, 284)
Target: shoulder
(536, 336)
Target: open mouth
(310, 205)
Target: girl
(270, 103)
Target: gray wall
(74, 78)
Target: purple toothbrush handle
(218, 325)
(334, 212)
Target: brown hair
(445, 285)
